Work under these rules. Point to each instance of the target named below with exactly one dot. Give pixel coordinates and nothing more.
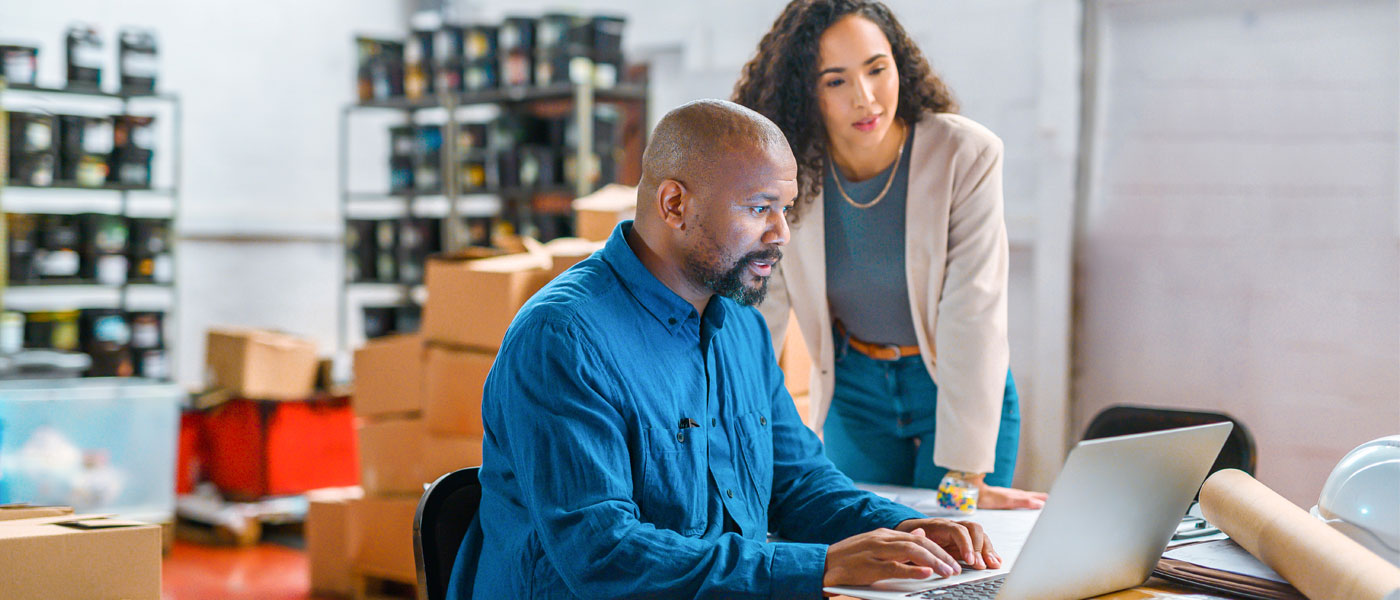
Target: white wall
(261, 84)
(1240, 246)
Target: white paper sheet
(1224, 555)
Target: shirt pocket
(675, 480)
(756, 433)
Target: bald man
(639, 440)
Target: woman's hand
(992, 497)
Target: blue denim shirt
(637, 449)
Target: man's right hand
(885, 554)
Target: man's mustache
(771, 255)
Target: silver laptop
(1110, 514)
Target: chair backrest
(445, 512)
(1238, 452)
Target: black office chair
(1238, 452)
(445, 513)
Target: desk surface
(1008, 530)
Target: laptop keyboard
(982, 589)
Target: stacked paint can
(418, 80)
(380, 73)
(148, 352)
(19, 64)
(33, 142)
(448, 63)
(103, 243)
(136, 61)
(105, 335)
(84, 150)
(132, 150)
(515, 50)
(84, 57)
(149, 252)
(480, 56)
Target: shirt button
(680, 437)
(671, 320)
(713, 421)
(729, 493)
(763, 420)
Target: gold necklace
(895, 171)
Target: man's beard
(730, 283)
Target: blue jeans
(880, 428)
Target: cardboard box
(803, 403)
(597, 214)
(471, 303)
(330, 545)
(453, 380)
(389, 376)
(400, 456)
(80, 557)
(795, 361)
(383, 529)
(567, 252)
(261, 364)
(11, 512)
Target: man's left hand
(963, 540)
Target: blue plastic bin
(99, 445)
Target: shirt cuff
(894, 514)
(797, 570)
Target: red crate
(190, 452)
(259, 448)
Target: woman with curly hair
(897, 264)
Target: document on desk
(1224, 555)
(1008, 530)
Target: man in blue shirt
(639, 439)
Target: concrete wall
(1240, 246)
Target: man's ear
(672, 202)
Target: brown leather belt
(877, 351)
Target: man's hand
(963, 539)
(886, 554)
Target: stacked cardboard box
(796, 363)
(77, 556)
(596, 214)
(396, 379)
(259, 364)
(330, 541)
(419, 396)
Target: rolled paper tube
(1318, 560)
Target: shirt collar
(661, 302)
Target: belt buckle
(898, 354)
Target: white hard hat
(1361, 498)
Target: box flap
(574, 247)
(611, 198)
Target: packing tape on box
(1318, 560)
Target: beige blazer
(956, 264)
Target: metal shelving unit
(114, 199)
(516, 204)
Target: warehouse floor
(267, 571)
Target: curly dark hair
(780, 81)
